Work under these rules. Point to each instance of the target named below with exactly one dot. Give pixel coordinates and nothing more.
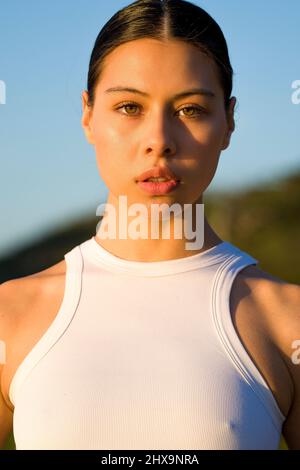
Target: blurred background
(50, 185)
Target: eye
(193, 108)
(129, 105)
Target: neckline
(104, 258)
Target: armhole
(66, 311)
(231, 340)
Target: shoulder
(276, 304)
(27, 307)
(277, 301)
(19, 296)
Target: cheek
(212, 134)
(107, 147)
(111, 142)
(111, 158)
(207, 150)
(106, 138)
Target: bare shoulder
(277, 312)
(19, 296)
(28, 306)
(278, 302)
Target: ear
(86, 120)
(230, 122)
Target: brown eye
(192, 108)
(130, 106)
(193, 111)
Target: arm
(6, 419)
(6, 414)
(26, 304)
(287, 338)
(291, 428)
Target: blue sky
(48, 170)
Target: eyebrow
(183, 94)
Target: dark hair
(162, 20)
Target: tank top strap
(228, 335)
(64, 316)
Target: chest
(134, 374)
(135, 394)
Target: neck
(165, 245)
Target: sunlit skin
(187, 134)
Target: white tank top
(144, 356)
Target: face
(133, 132)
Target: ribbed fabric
(144, 355)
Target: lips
(158, 188)
(158, 172)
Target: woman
(153, 342)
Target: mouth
(158, 186)
(158, 180)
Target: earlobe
(86, 119)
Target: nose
(160, 138)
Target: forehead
(150, 63)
